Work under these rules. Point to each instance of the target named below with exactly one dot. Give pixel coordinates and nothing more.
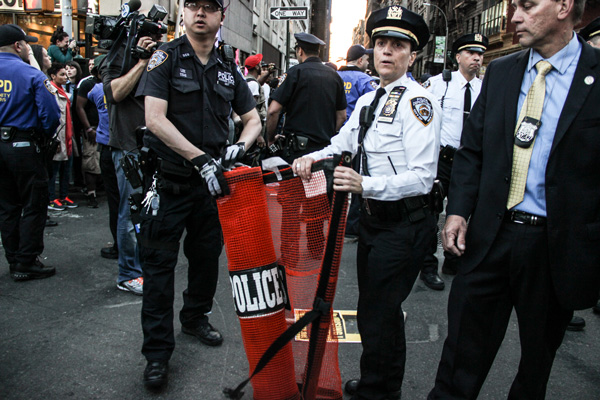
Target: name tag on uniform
(526, 133)
(21, 144)
(388, 112)
(184, 73)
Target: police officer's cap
(308, 41)
(591, 30)
(357, 51)
(472, 42)
(398, 22)
(10, 34)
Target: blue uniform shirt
(558, 83)
(26, 101)
(356, 83)
(97, 96)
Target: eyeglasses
(208, 8)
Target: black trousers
(390, 255)
(514, 274)
(431, 262)
(23, 200)
(109, 177)
(196, 212)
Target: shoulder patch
(422, 108)
(49, 86)
(373, 84)
(427, 83)
(282, 79)
(158, 57)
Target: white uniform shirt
(454, 104)
(402, 156)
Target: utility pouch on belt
(415, 208)
(8, 132)
(301, 143)
(148, 162)
(131, 168)
(436, 197)
(174, 178)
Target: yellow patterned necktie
(532, 109)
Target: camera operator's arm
(265, 74)
(157, 122)
(119, 88)
(275, 109)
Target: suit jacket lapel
(511, 99)
(577, 93)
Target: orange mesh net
(289, 226)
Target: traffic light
(38, 5)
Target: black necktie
(467, 102)
(364, 127)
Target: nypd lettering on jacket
(259, 291)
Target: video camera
(128, 28)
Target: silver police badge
(394, 12)
(157, 58)
(526, 132)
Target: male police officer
(456, 93)
(356, 82)
(398, 149)
(190, 90)
(591, 33)
(29, 116)
(314, 100)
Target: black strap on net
(320, 307)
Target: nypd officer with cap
(456, 93)
(356, 82)
(190, 89)
(314, 101)
(397, 141)
(29, 116)
(591, 33)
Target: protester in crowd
(62, 159)
(25, 130)
(525, 179)
(256, 78)
(74, 75)
(42, 58)
(61, 49)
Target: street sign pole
(287, 47)
(287, 14)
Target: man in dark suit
(532, 244)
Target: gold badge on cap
(478, 37)
(394, 12)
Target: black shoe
(35, 270)
(49, 222)
(156, 374)
(351, 386)
(109, 252)
(92, 202)
(449, 267)
(596, 308)
(432, 280)
(206, 333)
(576, 324)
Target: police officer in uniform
(311, 120)
(29, 116)
(456, 94)
(356, 82)
(398, 150)
(591, 33)
(190, 90)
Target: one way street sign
(280, 13)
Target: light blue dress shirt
(558, 83)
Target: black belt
(447, 153)
(10, 134)
(411, 208)
(521, 217)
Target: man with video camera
(126, 113)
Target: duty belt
(9, 134)
(447, 153)
(521, 217)
(411, 208)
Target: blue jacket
(26, 100)
(356, 83)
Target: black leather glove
(233, 153)
(212, 173)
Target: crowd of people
(511, 154)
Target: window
(493, 19)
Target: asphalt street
(75, 336)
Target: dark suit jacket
(482, 169)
